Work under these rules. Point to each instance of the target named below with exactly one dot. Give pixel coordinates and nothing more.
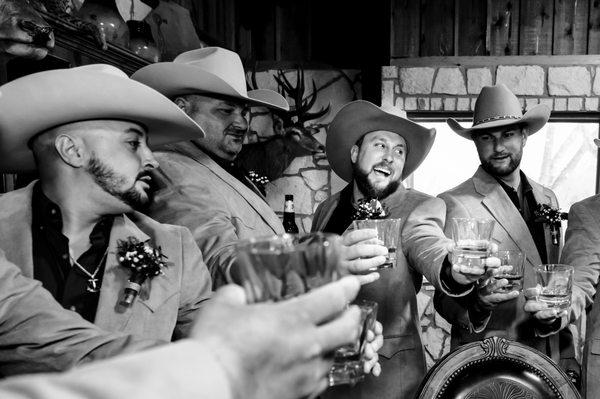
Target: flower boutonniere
(369, 209)
(259, 181)
(143, 260)
(552, 217)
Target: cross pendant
(92, 285)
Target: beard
(110, 181)
(361, 177)
(514, 160)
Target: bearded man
(87, 130)
(499, 190)
(374, 151)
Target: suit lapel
(255, 200)
(497, 202)
(109, 315)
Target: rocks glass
(555, 284)
(279, 267)
(515, 259)
(388, 231)
(348, 363)
(472, 238)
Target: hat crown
(496, 103)
(223, 63)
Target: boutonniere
(259, 181)
(143, 261)
(369, 209)
(552, 217)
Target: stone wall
(453, 83)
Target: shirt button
(73, 308)
(65, 256)
(53, 211)
(41, 227)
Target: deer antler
(301, 104)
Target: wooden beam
(437, 27)
(472, 20)
(558, 60)
(535, 35)
(593, 45)
(405, 27)
(503, 27)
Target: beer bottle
(289, 216)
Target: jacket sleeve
(185, 199)
(426, 246)
(196, 285)
(459, 311)
(37, 334)
(184, 370)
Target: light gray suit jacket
(421, 252)
(195, 192)
(582, 251)
(166, 305)
(482, 197)
(37, 334)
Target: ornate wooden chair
(496, 368)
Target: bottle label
(288, 206)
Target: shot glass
(388, 232)
(555, 284)
(348, 366)
(279, 267)
(472, 238)
(515, 259)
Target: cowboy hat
(360, 117)
(210, 70)
(597, 142)
(496, 107)
(35, 103)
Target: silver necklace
(92, 283)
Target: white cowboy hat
(496, 107)
(35, 103)
(210, 70)
(360, 117)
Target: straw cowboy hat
(360, 117)
(41, 101)
(496, 107)
(210, 70)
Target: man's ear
(70, 149)
(525, 135)
(183, 104)
(354, 153)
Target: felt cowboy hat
(360, 117)
(210, 70)
(35, 103)
(498, 107)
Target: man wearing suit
(200, 185)
(499, 190)
(374, 151)
(234, 350)
(582, 251)
(89, 141)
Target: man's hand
(361, 252)
(374, 343)
(466, 275)
(487, 289)
(279, 349)
(540, 310)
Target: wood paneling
(594, 28)
(570, 27)
(405, 28)
(503, 27)
(535, 33)
(471, 27)
(437, 27)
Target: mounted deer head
(293, 136)
(23, 31)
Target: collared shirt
(52, 262)
(234, 169)
(526, 204)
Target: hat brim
(175, 79)
(358, 118)
(41, 101)
(533, 120)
